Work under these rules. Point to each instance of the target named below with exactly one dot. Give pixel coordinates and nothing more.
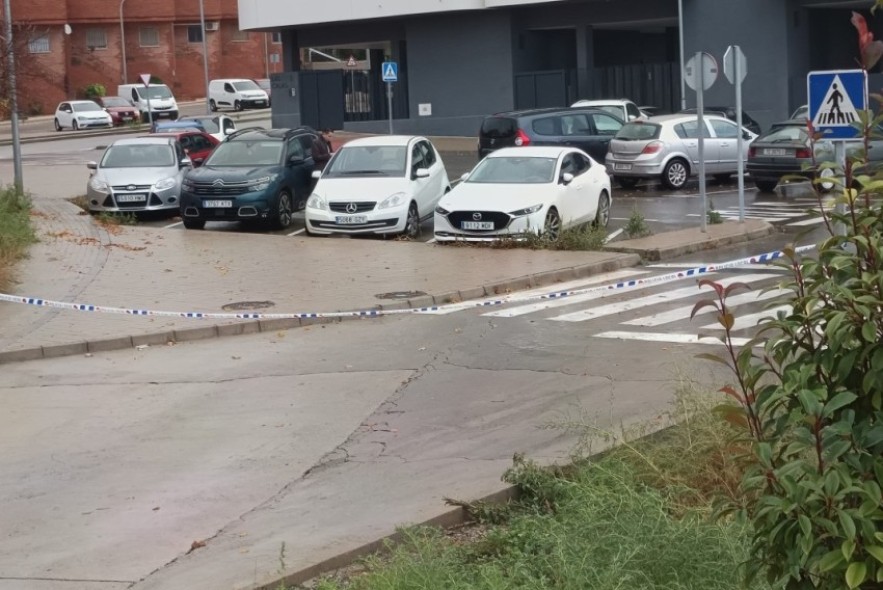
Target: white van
(162, 101)
(236, 94)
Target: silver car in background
(667, 147)
(138, 174)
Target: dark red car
(120, 110)
(197, 144)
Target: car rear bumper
(775, 170)
(634, 168)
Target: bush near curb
(16, 231)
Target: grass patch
(638, 517)
(107, 218)
(16, 231)
(637, 225)
(81, 201)
(581, 238)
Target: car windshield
(499, 127)
(115, 101)
(210, 124)
(638, 131)
(368, 160)
(85, 107)
(246, 85)
(250, 153)
(514, 170)
(785, 134)
(144, 155)
(155, 92)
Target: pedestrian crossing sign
(390, 71)
(835, 99)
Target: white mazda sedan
(379, 185)
(527, 189)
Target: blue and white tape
(370, 313)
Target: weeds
(16, 231)
(714, 216)
(581, 238)
(109, 218)
(81, 201)
(637, 226)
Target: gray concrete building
(460, 60)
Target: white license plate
(477, 225)
(620, 166)
(774, 151)
(217, 204)
(131, 198)
(126, 118)
(351, 219)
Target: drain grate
(401, 295)
(248, 305)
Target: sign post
(145, 79)
(351, 65)
(390, 71)
(835, 99)
(735, 69)
(700, 74)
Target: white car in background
(513, 191)
(378, 185)
(81, 114)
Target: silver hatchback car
(138, 174)
(667, 147)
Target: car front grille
(361, 206)
(228, 188)
(130, 188)
(499, 218)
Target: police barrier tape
(635, 283)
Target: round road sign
(709, 71)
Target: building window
(194, 33)
(148, 37)
(39, 44)
(277, 37)
(96, 39)
(240, 35)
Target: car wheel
(412, 223)
(602, 217)
(194, 223)
(283, 216)
(212, 105)
(722, 178)
(75, 126)
(237, 106)
(675, 174)
(826, 186)
(766, 186)
(552, 226)
(57, 126)
(627, 182)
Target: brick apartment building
(162, 37)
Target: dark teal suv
(253, 175)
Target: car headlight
(261, 184)
(526, 210)
(392, 201)
(441, 210)
(188, 186)
(165, 183)
(316, 202)
(98, 185)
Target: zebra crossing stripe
(683, 313)
(630, 304)
(751, 320)
(667, 337)
(805, 222)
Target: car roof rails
(239, 132)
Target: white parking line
(614, 235)
(432, 241)
(298, 232)
(171, 225)
(627, 218)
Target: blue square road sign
(390, 71)
(835, 98)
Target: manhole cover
(248, 305)
(400, 295)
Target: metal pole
(18, 179)
(681, 55)
(700, 130)
(740, 156)
(208, 109)
(840, 158)
(267, 55)
(123, 42)
(149, 110)
(389, 99)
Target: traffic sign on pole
(390, 71)
(145, 79)
(708, 64)
(835, 97)
(735, 69)
(735, 64)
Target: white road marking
(432, 241)
(813, 221)
(750, 320)
(626, 219)
(663, 296)
(665, 337)
(171, 225)
(614, 235)
(298, 232)
(683, 313)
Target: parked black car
(730, 113)
(589, 129)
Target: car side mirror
(295, 161)
(185, 162)
(92, 165)
(317, 174)
(421, 173)
(464, 178)
(566, 178)
(198, 161)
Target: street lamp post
(123, 42)
(204, 55)
(13, 92)
(681, 56)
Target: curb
(273, 325)
(657, 254)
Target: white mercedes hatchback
(514, 191)
(379, 185)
